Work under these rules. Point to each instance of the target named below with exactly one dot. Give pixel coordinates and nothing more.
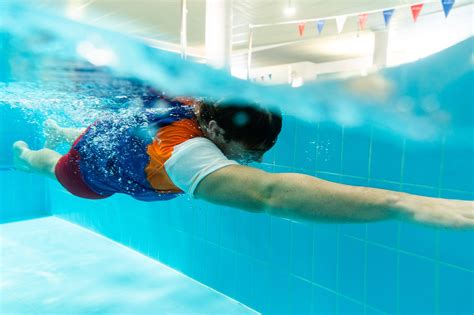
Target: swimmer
(201, 148)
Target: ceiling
(159, 22)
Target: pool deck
(51, 266)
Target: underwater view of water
(409, 128)
(106, 70)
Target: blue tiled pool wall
(276, 265)
(22, 195)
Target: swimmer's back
(118, 151)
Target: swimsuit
(152, 154)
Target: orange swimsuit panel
(161, 149)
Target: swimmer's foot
(20, 148)
(52, 133)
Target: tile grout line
(313, 259)
(411, 254)
(270, 300)
(441, 166)
(295, 133)
(365, 269)
(369, 162)
(437, 235)
(290, 261)
(402, 167)
(338, 254)
(337, 293)
(369, 175)
(343, 131)
(338, 245)
(316, 160)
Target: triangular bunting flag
(320, 25)
(447, 6)
(387, 16)
(362, 20)
(340, 21)
(301, 28)
(415, 10)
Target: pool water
(416, 136)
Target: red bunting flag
(415, 10)
(362, 20)
(301, 28)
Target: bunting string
(388, 13)
(320, 23)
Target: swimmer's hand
(436, 211)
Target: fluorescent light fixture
(289, 11)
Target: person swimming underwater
(201, 148)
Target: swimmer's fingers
(465, 223)
(464, 215)
(465, 209)
(468, 209)
(458, 214)
(469, 215)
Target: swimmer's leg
(56, 135)
(35, 161)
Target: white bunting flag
(340, 21)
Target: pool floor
(51, 266)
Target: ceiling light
(289, 11)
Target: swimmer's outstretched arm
(305, 197)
